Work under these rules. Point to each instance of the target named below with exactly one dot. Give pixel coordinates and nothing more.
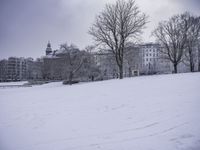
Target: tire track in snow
(112, 133)
(128, 139)
(94, 135)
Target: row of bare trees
(180, 37)
(123, 22)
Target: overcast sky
(27, 25)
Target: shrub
(35, 82)
(67, 82)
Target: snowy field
(141, 113)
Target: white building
(152, 61)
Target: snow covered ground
(142, 113)
(12, 83)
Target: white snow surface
(159, 112)
(12, 83)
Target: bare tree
(172, 35)
(74, 59)
(90, 48)
(89, 71)
(193, 35)
(118, 24)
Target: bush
(35, 82)
(66, 82)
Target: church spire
(49, 44)
(48, 49)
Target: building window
(146, 59)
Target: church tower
(48, 49)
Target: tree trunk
(191, 66)
(130, 72)
(191, 61)
(121, 72)
(175, 68)
(70, 78)
(199, 67)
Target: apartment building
(152, 60)
(17, 69)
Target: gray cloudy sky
(27, 25)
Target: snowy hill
(141, 113)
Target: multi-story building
(3, 70)
(132, 60)
(152, 60)
(17, 69)
(34, 68)
(37, 69)
(138, 59)
(109, 68)
(59, 64)
(107, 64)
